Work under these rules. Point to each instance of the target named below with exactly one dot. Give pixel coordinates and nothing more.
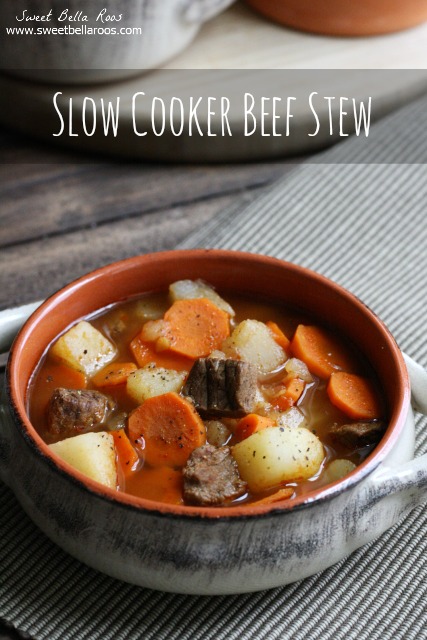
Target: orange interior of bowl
(344, 17)
(228, 271)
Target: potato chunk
(277, 455)
(150, 309)
(84, 349)
(252, 341)
(291, 418)
(190, 289)
(153, 381)
(337, 470)
(91, 453)
(217, 433)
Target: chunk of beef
(358, 434)
(222, 387)
(73, 411)
(211, 477)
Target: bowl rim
(37, 445)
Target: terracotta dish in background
(344, 17)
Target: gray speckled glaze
(166, 29)
(183, 550)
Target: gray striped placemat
(365, 227)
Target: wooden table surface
(62, 215)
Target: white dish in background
(166, 29)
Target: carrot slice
(283, 402)
(294, 389)
(59, 375)
(354, 395)
(278, 335)
(320, 351)
(281, 494)
(145, 352)
(168, 427)
(114, 374)
(285, 399)
(196, 327)
(251, 424)
(126, 454)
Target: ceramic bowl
(164, 29)
(350, 18)
(212, 550)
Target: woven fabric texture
(364, 226)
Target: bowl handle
(199, 11)
(418, 377)
(410, 477)
(11, 320)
